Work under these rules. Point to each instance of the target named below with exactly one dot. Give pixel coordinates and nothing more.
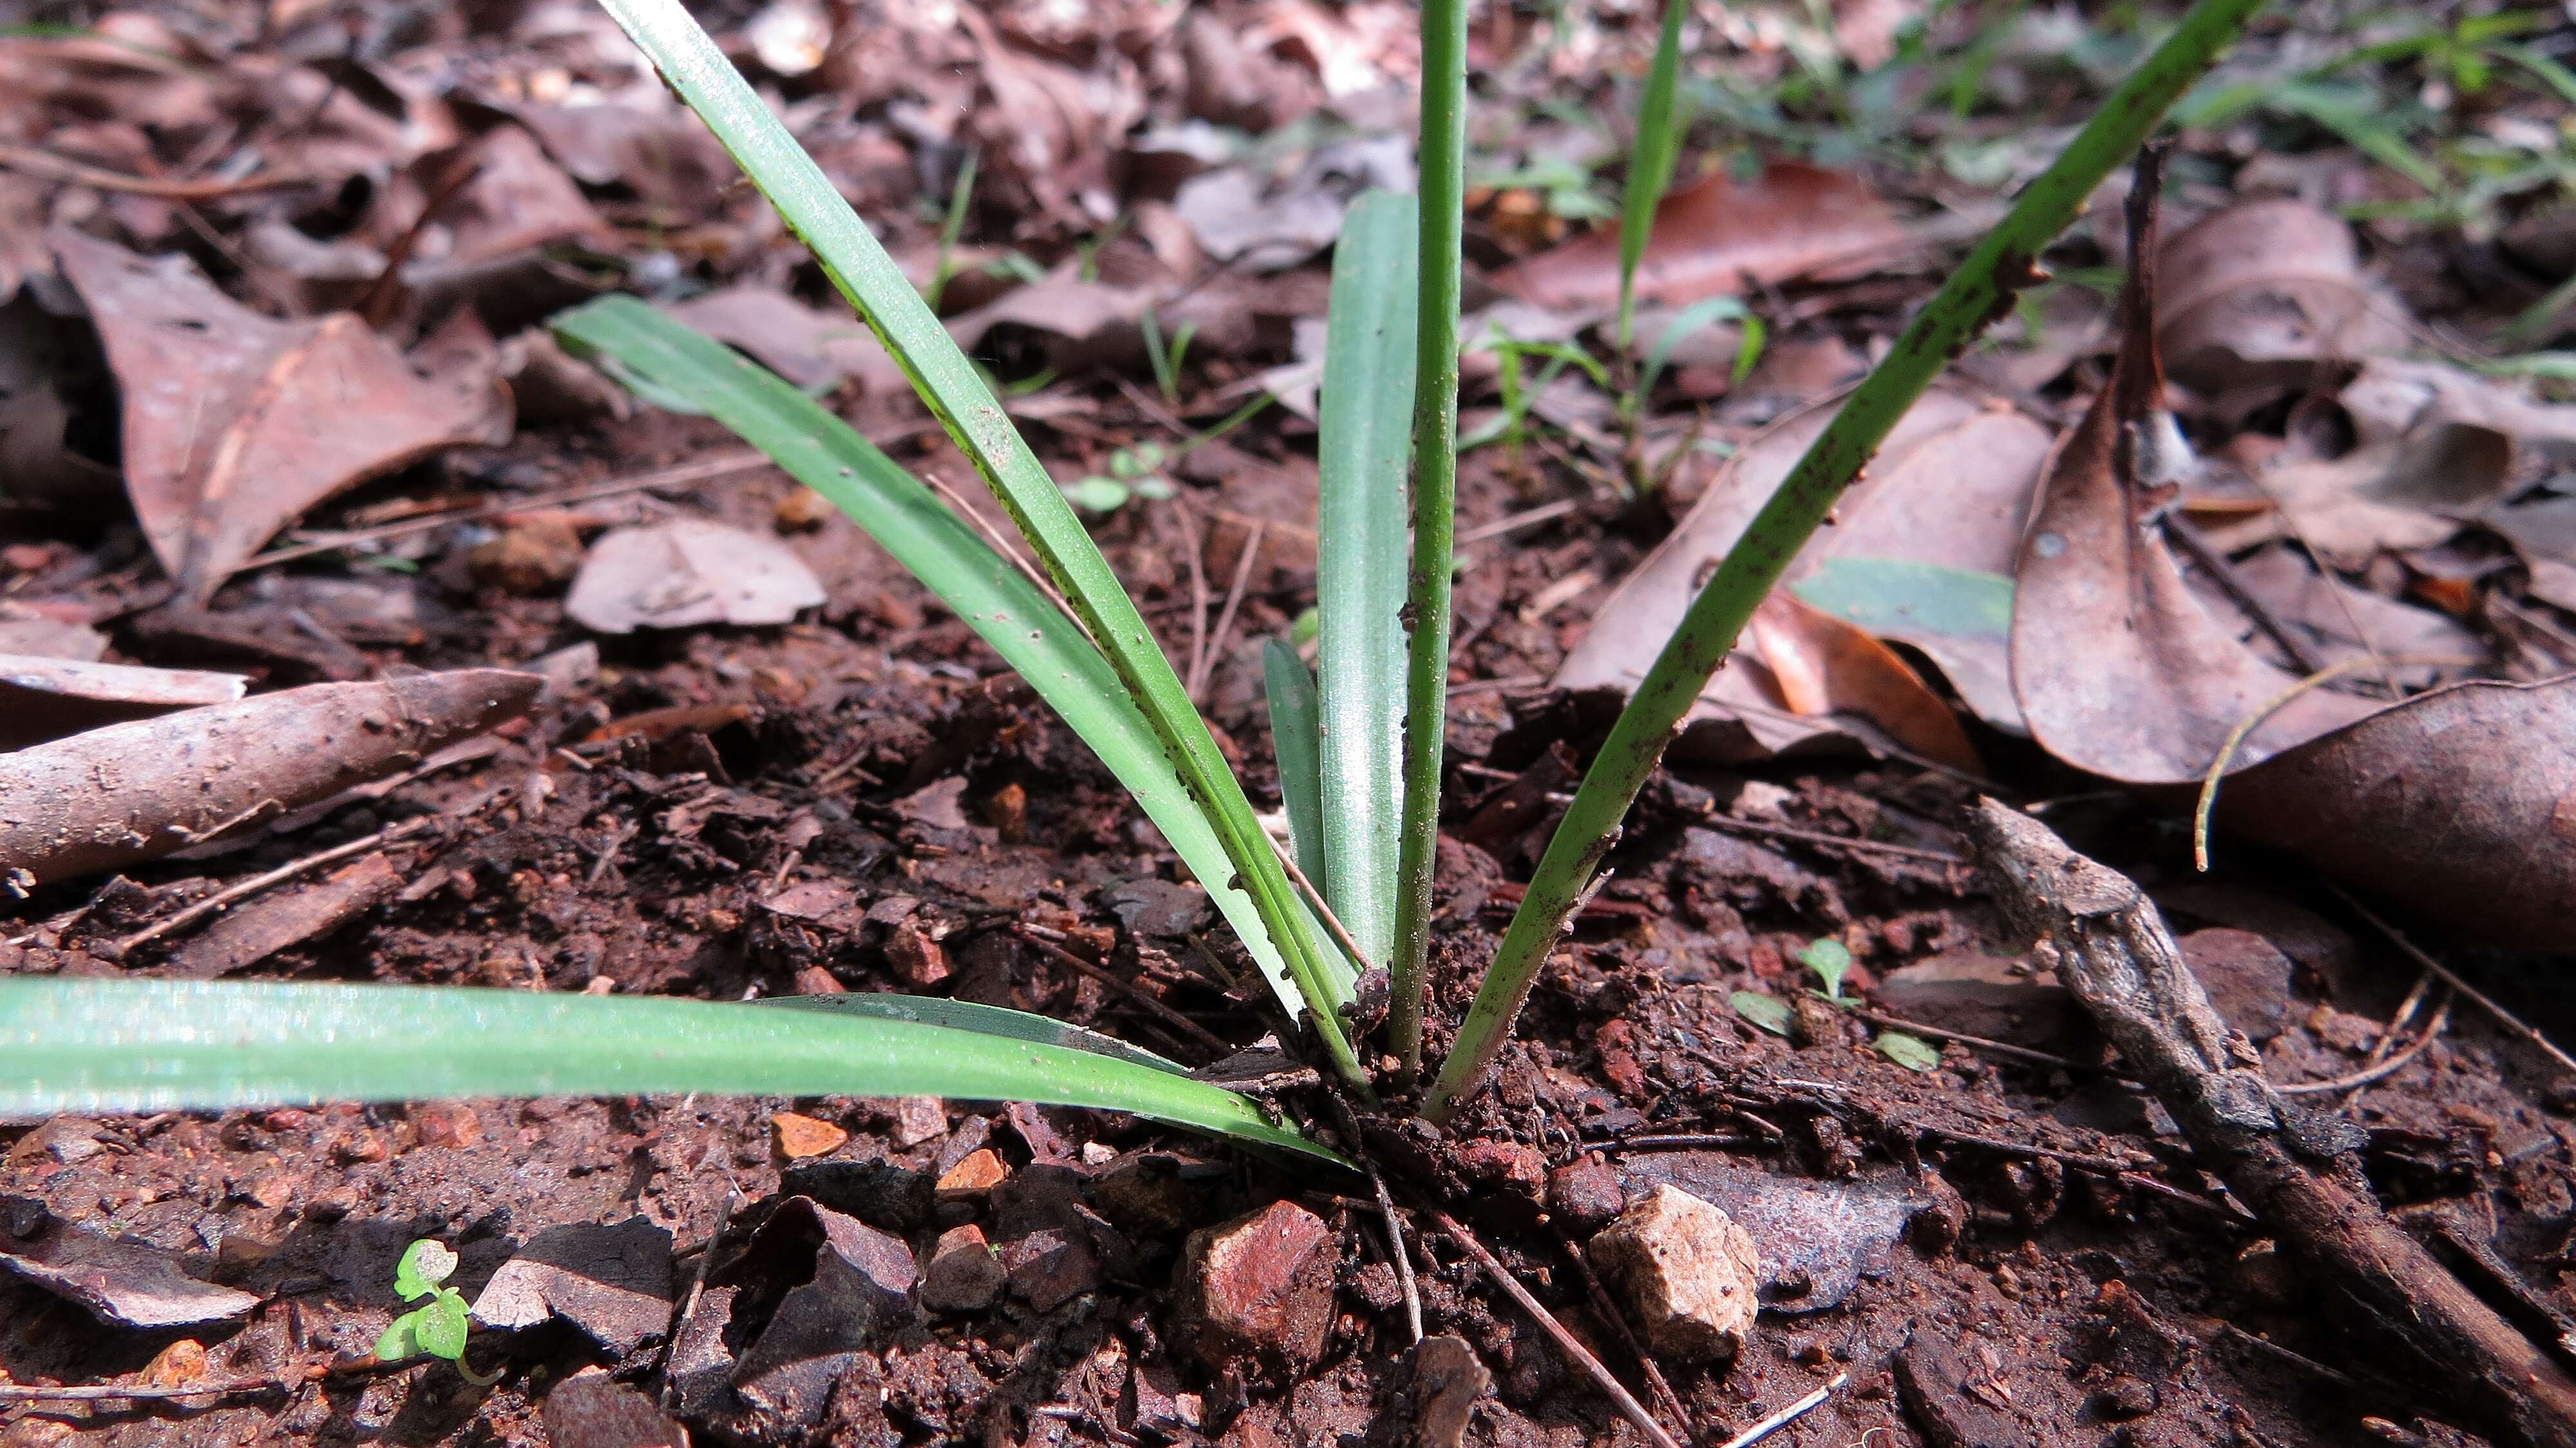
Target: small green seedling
(1134, 472)
(1831, 962)
(1768, 1012)
(1906, 1051)
(437, 1327)
(1165, 355)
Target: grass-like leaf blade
(957, 1015)
(1296, 738)
(949, 384)
(1650, 165)
(174, 1045)
(909, 521)
(1365, 438)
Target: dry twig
(2104, 939)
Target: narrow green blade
(1650, 165)
(909, 521)
(948, 383)
(173, 1045)
(984, 1020)
(1293, 737)
(1362, 545)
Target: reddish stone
(1258, 1290)
(1586, 1193)
(962, 1274)
(1505, 1164)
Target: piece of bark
(2098, 931)
(47, 698)
(132, 792)
(262, 927)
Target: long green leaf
(948, 383)
(171, 1045)
(1650, 165)
(983, 1020)
(999, 602)
(1443, 150)
(1975, 295)
(1364, 439)
(1296, 738)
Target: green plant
(437, 1328)
(1831, 962)
(951, 227)
(1065, 626)
(1977, 292)
(1443, 155)
(1165, 357)
(1660, 124)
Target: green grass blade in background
(1650, 165)
(1443, 151)
(957, 1015)
(172, 1045)
(1365, 440)
(1976, 294)
(958, 396)
(1296, 738)
(999, 602)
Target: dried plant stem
(1977, 293)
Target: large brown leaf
(1947, 489)
(234, 424)
(1709, 238)
(2461, 802)
(2263, 291)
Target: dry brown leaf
(2391, 399)
(235, 424)
(1822, 666)
(2260, 293)
(688, 571)
(2383, 497)
(2118, 666)
(807, 346)
(1710, 237)
(2461, 802)
(1949, 488)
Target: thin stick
(2224, 574)
(2001, 1048)
(1395, 1245)
(1198, 585)
(1565, 1341)
(32, 162)
(2484, 1002)
(1819, 837)
(1608, 1311)
(1785, 1416)
(2382, 1071)
(109, 1392)
(697, 1289)
(1225, 616)
(1527, 518)
(1157, 1009)
(240, 890)
(1332, 923)
(701, 471)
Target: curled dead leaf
(2261, 292)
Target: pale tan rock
(1689, 1272)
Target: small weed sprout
(1831, 962)
(437, 1327)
